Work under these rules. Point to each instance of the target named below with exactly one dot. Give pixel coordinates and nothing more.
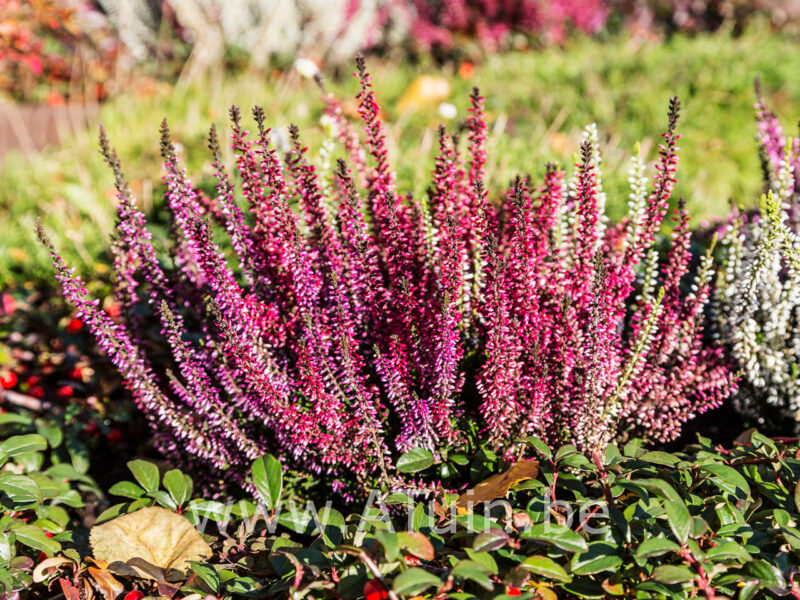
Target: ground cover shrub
(52, 382)
(368, 323)
(706, 522)
(758, 285)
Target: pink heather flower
(348, 323)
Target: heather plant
(758, 293)
(349, 322)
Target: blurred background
(547, 69)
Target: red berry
(74, 326)
(32, 380)
(65, 391)
(412, 561)
(134, 595)
(114, 436)
(114, 310)
(76, 373)
(512, 591)
(374, 590)
(8, 380)
(48, 534)
(36, 391)
(91, 428)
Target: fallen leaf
(497, 486)
(424, 91)
(42, 570)
(106, 583)
(148, 542)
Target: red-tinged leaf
(165, 589)
(70, 591)
(416, 543)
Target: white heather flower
(306, 67)
(448, 111)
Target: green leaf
(20, 488)
(781, 517)
(540, 446)
(472, 571)
(768, 574)
(15, 419)
(51, 432)
(565, 451)
(658, 487)
(415, 460)
(164, 499)
(728, 550)
(178, 485)
(333, 525)
(268, 479)
(673, 574)
(545, 567)
(749, 590)
(20, 444)
(414, 581)
(146, 473)
(209, 509)
(35, 537)
(122, 509)
(680, 521)
(660, 458)
(728, 474)
(126, 489)
(207, 573)
(557, 535)
(78, 453)
(797, 497)
(483, 558)
(390, 543)
(601, 556)
(656, 547)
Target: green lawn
(537, 102)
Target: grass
(537, 103)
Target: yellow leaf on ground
(152, 543)
(424, 91)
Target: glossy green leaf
(414, 581)
(545, 567)
(179, 486)
(21, 444)
(268, 479)
(557, 535)
(680, 521)
(126, 489)
(146, 473)
(656, 547)
(35, 537)
(415, 460)
(673, 574)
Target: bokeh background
(546, 69)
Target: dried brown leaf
(497, 486)
(148, 543)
